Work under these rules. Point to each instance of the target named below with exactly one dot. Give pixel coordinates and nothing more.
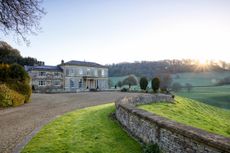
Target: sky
(113, 31)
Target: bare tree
(20, 16)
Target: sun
(203, 61)
(202, 64)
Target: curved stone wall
(171, 136)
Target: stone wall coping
(213, 140)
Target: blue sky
(112, 31)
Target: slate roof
(83, 63)
(45, 68)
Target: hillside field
(217, 95)
(200, 79)
(194, 113)
(205, 91)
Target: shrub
(151, 148)
(155, 84)
(10, 97)
(17, 72)
(4, 72)
(119, 84)
(22, 88)
(143, 83)
(124, 90)
(16, 78)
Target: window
(56, 83)
(80, 71)
(95, 72)
(71, 84)
(102, 72)
(56, 74)
(71, 72)
(80, 83)
(42, 73)
(67, 72)
(41, 83)
(88, 71)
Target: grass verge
(194, 113)
(88, 130)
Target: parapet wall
(171, 136)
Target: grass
(217, 96)
(194, 113)
(88, 130)
(199, 78)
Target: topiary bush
(10, 97)
(155, 84)
(143, 83)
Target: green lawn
(217, 96)
(194, 113)
(88, 130)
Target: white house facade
(72, 76)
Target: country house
(71, 76)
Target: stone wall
(172, 137)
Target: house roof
(83, 63)
(43, 68)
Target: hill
(200, 78)
(154, 68)
(194, 113)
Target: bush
(22, 88)
(10, 97)
(124, 90)
(151, 148)
(143, 83)
(4, 72)
(155, 84)
(17, 72)
(16, 78)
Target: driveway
(19, 124)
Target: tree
(155, 84)
(20, 16)
(9, 55)
(110, 83)
(119, 84)
(130, 80)
(143, 83)
(165, 80)
(176, 87)
(188, 86)
(17, 72)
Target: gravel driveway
(17, 124)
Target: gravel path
(17, 124)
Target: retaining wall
(171, 136)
